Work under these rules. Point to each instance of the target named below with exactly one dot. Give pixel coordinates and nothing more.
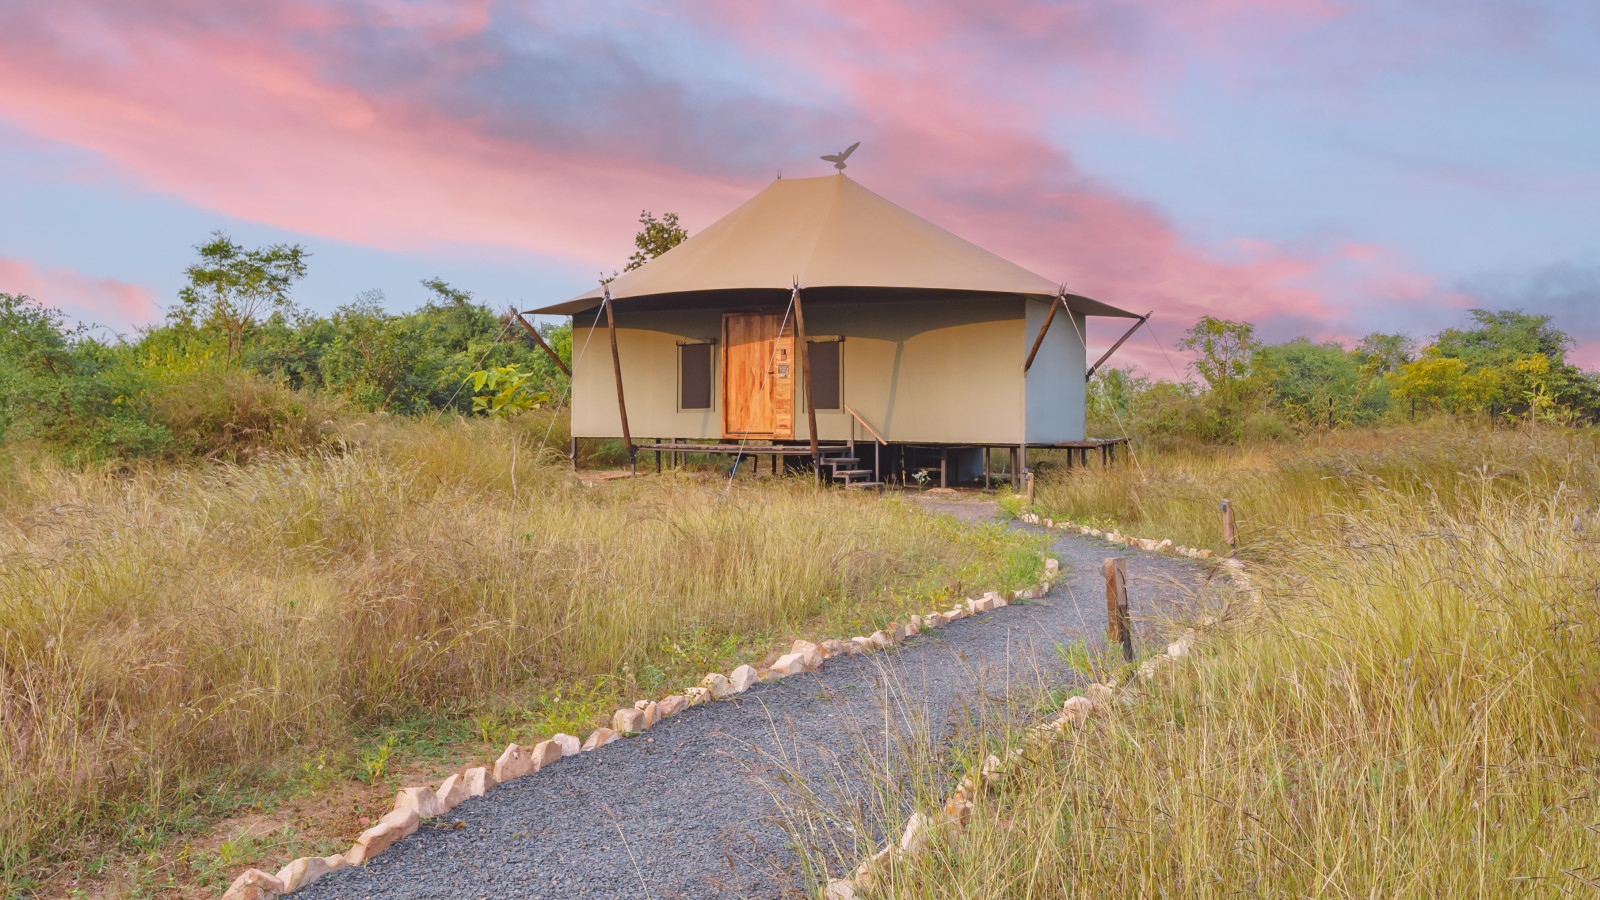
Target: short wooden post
(1229, 534)
(1028, 480)
(1119, 628)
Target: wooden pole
(540, 341)
(1120, 341)
(1049, 317)
(1119, 627)
(805, 378)
(616, 365)
(1229, 534)
(1028, 477)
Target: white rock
(628, 721)
(1204, 554)
(570, 745)
(1052, 565)
(810, 656)
(789, 664)
(1100, 694)
(915, 838)
(831, 648)
(421, 799)
(1181, 647)
(478, 781)
(513, 763)
(718, 684)
(652, 713)
(451, 792)
(254, 884)
(840, 889)
(1077, 709)
(1094, 532)
(545, 753)
(881, 640)
(1165, 546)
(957, 614)
(936, 620)
(599, 738)
(305, 871)
(864, 644)
(671, 706)
(697, 696)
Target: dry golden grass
(173, 637)
(1414, 711)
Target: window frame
(713, 373)
(828, 339)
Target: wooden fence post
(1119, 628)
(1228, 533)
(1028, 476)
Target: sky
(1326, 168)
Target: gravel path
(681, 811)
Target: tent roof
(828, 232)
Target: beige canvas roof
(828, 232)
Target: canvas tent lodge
(822, 325)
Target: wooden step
(839, 460)
(850, 473)
(864, 484)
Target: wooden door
(758, 375)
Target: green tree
(1226, 351)
(231, 286)
(1381, 354)
(1321, 385)
(656, 237)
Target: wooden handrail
(870, 430)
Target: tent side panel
(936, 371)
(1055, 385)
(939, 371)
(648, 344)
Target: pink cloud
(239, 121)
(83, 298)
(240, 117)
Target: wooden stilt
(944, 467)
(986, 468)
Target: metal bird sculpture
(838, 158)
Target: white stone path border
(1075, 713)
(413, 804)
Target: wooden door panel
(758, 376)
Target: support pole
(1120, 341)
(534, 332)
(805, 377)
(616, 365)
(1119, 627)
(1055, 304)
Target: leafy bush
(83, 397)
(236, 415)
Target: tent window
(694, 376)
(827, 374)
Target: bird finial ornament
(838, 158)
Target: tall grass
(1288, 489)
(164, 631)
(1413, 711)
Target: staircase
(848, 472)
